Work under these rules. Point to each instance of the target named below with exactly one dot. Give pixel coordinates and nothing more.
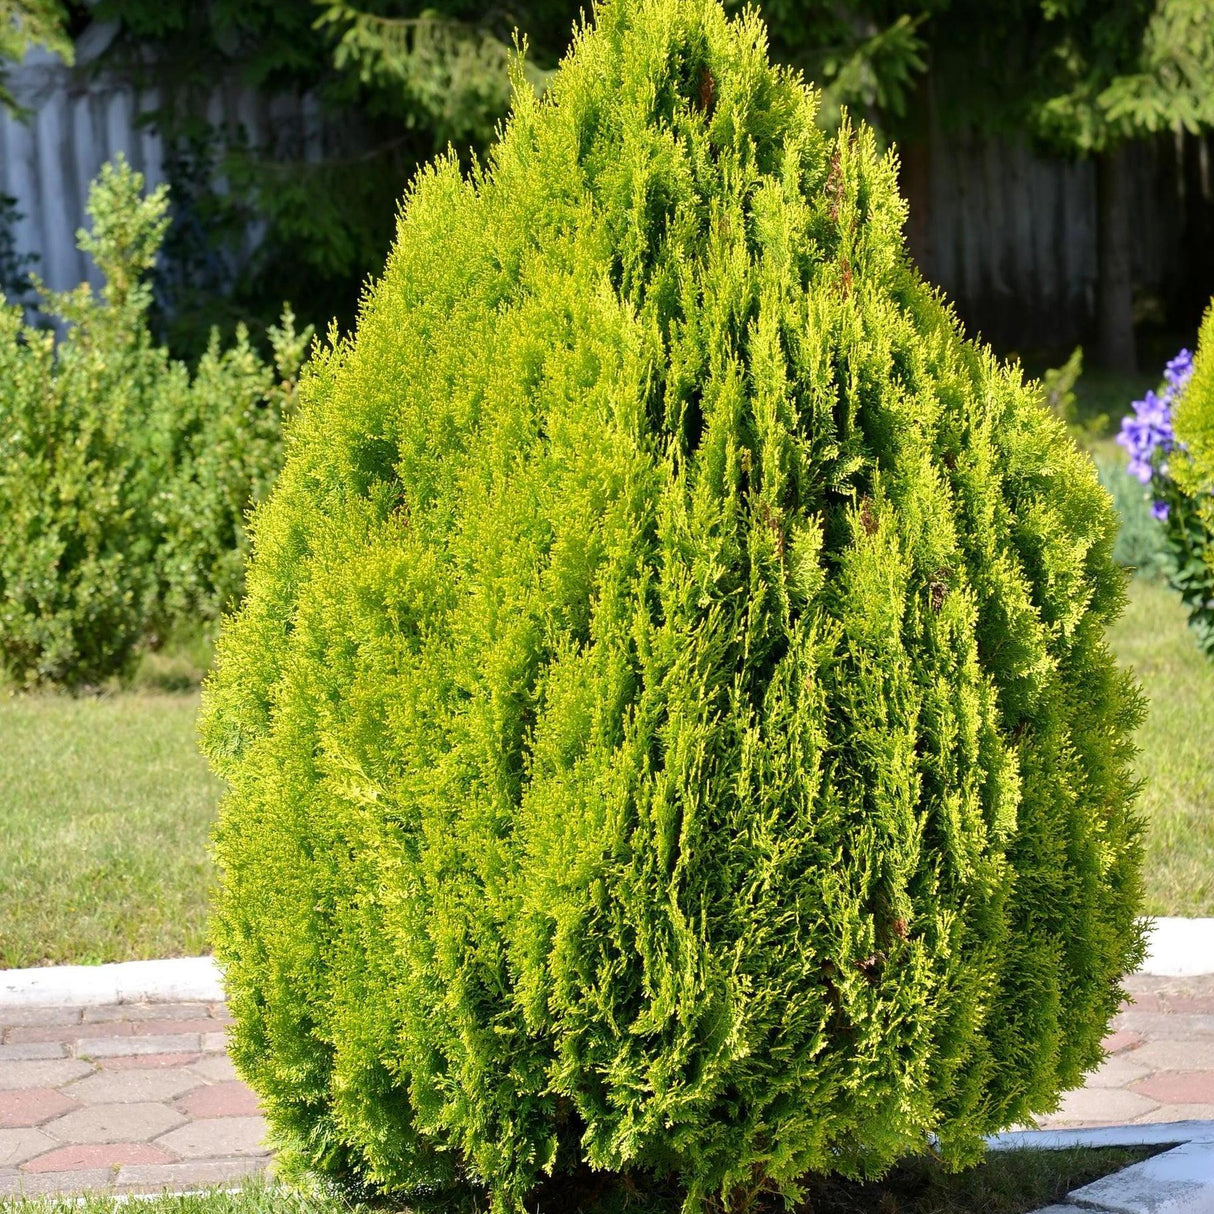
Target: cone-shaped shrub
(670, 727)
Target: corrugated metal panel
(80, 119)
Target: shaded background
(1056, 153)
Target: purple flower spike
(1178, 370)
(1159, 510)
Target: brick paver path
(1161, 1059)
(126, 1098)
(142, 1097)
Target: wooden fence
(1008, 233)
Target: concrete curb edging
(1180, 948)
(1177, 1181)
(175, 980)
(1177, 948)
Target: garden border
(1176, 1181)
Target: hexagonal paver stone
(124, 1047)
(216, 1137)
(32, 1184)
(134, 1086)
(215, 1067)
(115, 1123)
(1118, 1071)
(1179, 1087)
(1178, 1112)
(141, 1061)
(36, 1016)
(52, 1073)
(27, 1051)
(16, 1146)
(233, 1099)
(30, 1106)
(145, 1011)
(97, 1155)
(192, 1174)
(1100, 1105)
(1167, 1055)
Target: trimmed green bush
(669, 728)
(124, 480)
(224, 442)
(80, 456)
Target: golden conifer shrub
(670, 727)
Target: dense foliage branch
(27, 23)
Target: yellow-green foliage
(670, 727)
(1193, 423)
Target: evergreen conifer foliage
(670, 727)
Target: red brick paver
(29, 1106)
(97, 1155)
(139, 1097)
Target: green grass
(1177, 749)
(1009, 1182)
(105, 809)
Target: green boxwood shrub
(670, 728)
(124, 479)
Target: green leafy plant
(1183, 483)
(670, 727)
(77, 460)
(28, 23)
(224, 439)
(123, 480)
(1167, 439)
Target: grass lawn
(105, 809)
(1177, 749)
(1009, 1182)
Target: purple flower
(1146, 434)
(1178, 370)
(1159, 510)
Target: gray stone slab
(135, 1122)
(51, 1073)
(194, 1173)
(37, 1184)
(216, 1068)
(1162, 1054)
(134, 1086)
(1173, 1026)
(216, 1138)
(1179, 1181)
(29, 1051)
(125, 1047)
(16, 1146)
(38, 1017)
(146, 1011)
(1089, 1105)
